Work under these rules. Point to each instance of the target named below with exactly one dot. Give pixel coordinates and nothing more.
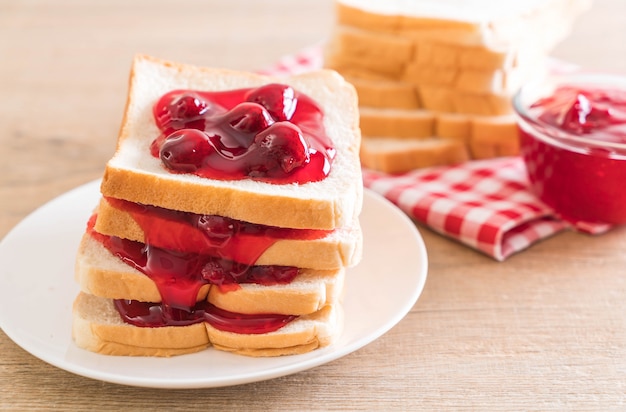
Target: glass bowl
(575, 147)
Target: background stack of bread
(435, 78)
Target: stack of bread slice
(435, 77)
(154, 250)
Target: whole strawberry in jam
(249, 117)
(185, 150)
(181, 110)
(279, 100)
(279, 146)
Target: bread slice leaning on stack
(143, 248)
(435, 78)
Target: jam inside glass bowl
(573, 141)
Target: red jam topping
(580, 174)
(271, 133)
(598, 114)
(156, 315)
(180, 275)
(213, 235)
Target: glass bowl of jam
(573, 141)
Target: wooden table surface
(545, 330)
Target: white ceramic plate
(37, 261)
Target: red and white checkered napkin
(485, 204)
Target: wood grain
(544, 330)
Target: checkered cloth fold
(486, 204)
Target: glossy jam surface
(227, 238)
(156, 315)
(579, 173)
(180, 275)
(598, 114)
(270, 133)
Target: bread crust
(133, 174)
(385, 93)
(353, 16)
(397, 122)
(97, 327)
(542, 26)
(399, 155)
(498, 137)
(324, 288)
(455, 138)
(323, 328)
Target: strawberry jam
(272, 133)
(595, 114)
(179, 277)
(155, 315)
(574, 146)
(208, 234)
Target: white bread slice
(398, 155)
(456, 138)
(387, 52)
(341, 248)
(309, 332)
(384, 53)
(308, 293)
(477, 130)
(100, 273)
(444, 99)
(383, 93)
(494, 137)
(133, 174)
(446, 55)
(494, 81)
(98, 327)
(353, 14)
(397, 122)
(453, 126)
(484, 22)
(424, 123)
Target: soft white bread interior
(133, 174)
(97, 326)
(343, 247)
(99, 272)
